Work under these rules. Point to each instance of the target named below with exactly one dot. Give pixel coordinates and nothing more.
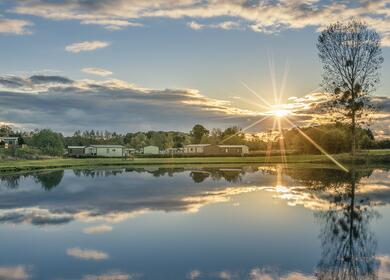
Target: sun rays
(279, 113)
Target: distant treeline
(334, 138)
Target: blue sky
(209, 46)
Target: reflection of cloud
(384, 267)
(35, 216)
(89, 203)
(97, 229)
(267, 274)
(374, 190)
(194, 274)
(86, 254)
(226, 275)
(13, 273)
(86, 46)
(110, 276)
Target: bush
(49, 142)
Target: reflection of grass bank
(376, 156)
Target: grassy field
(373, 156)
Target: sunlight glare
(280, 113)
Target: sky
(129, 65)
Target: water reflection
(345, 206)
(84, 196)
(348, 243)
(50, 179)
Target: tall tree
(48, 142)
(197, 132)
(351, 56)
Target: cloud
(87, 254)
(259, 16)
(226, 25)
(13, 273)
(86, 46)
(309, 110)
(111, 24)
(97, 229)
(15, 26)
(68, 105)
(97, 71)
(194, 25)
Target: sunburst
(280, 113)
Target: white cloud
(112, 24)
(97, 229)
(52, 100)
(226, 25)
(97, 71)
(194, 25)
(13, 272)
(86, 254)
(14, 26)
(86, 46)
(260, 16)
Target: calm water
(247, 222)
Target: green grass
(374, 156)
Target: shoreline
(376, 157)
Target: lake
(203, 222)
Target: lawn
(375, 156)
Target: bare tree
(351, 55)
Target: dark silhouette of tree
(50, 180)
(351, 56)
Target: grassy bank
(375, 156)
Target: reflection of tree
(347, 241)
(348, 245)
(50, 180)
(11, 181)
(198, 176)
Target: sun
(280, 113)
